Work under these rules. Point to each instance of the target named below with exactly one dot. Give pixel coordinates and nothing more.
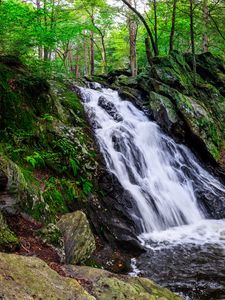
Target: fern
(87, 187)
(74, 166)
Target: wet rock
(198, 120)
(31, 278)
(79, 242)
(164, 112)
(110, 108)
(138, 97)
(112, 215)
(213, 205)
(106, 285)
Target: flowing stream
(162, 177)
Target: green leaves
(87, 186)
(74, 166)
(36, 160)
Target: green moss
(158, 103)
(8, 240)
(173, 70)
(51, 234)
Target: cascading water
(149, 164)
(163, 179)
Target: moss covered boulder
(31, 278)
(164, 112)
(16, 190)
(8, 240)
(79, 241)
(197, 117)
(107, 286)
(23, 277)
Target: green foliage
(74, 166)
(48, 117)
(87, 186)
(54, 153)
(36, 160)
(8, 240)
(54, 37)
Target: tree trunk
(173, 25)
(92, 48)
(104, 57)
(86, 58)
(132, 24)
(38, 6)
(148, 51)
(156, 26)
(46, 28)
(92, 54)
(192, 40)
(205, 19)
(77, 67)
(45, 54)
(145, 24)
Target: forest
(82, 38)
(112, 149)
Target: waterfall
(159, 174)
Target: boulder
(23, 277)
(106, 286)
(164, 112)
(198, 119)
(8, 240)
(111, 214)
(17, 194)
(31, 278)
(110, 108)
(14, 188)
(51, 234)
(79, 242)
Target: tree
(205, 21)
(133, 27)
(173, 26)
(145, 25)
(192, 39)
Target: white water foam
(203, 232)
(135, 271)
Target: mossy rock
(126, 81)
(106, 285)
(17, 191)
(67, 105)
(79, 241)
(197, 117)
(165, 114)
(31, 278)
(22, 195)
(52, 235)
(174, 71)
(8, 240)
